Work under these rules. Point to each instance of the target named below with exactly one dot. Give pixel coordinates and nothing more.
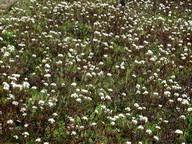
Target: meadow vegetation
(92, 71)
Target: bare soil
(4, 4)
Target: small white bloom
(103, 107)
(189, 109)
(74, 95)
(73, 133)
(33, 87)
(15, 103)
(156, 138)
(6, 86)
(85, 118)
(134, 122)
(38, 140)
(121, 115)
(25, 85)
(136, 105)
(41, 102)
(149, 52)
(47, 66)
(158, 127)
(74, 84)
(51, 120)
(149, 131)
(140, 127)
(25, 134)
(167, 93)
(182, 117)
(9, 121)
(180, 132)
(94, 123)
(112, 123)
(15, 136)
(47, 75)
(109, 74)
(55, 114)
(78, 100)
(128, 109)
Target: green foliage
(188, 133)
(93, 72)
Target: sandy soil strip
(4, 4)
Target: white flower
(25, 134)
(140, 127)
(167, 93)
(103, 107)
(38, 140)
(94, 123)
(9, 121)
(74, 84)
(128, 109)
(78, 100)
(60, 55)
(25, 85)
(33, 55)
(128, 142)
(6, 86)
(156, 138)
(145, 92)
(149, 52)
(45, 143)
(109, 74)
(73, 133)
(121, 115)
(136, 105)
(15, 103)
(50, 104)
(179, 132)
(81, 127)
(47, 66)
(88, 74)
(185, 102)
(149, 131)
(41, 102)
(59, 62)
(85, 118)
(15, 136)
(33, 87)
(158, 127)
(134, 122)
(189, 109)
(74, 95)
(47, 75)
(182, 117)
(55, 114)
(51, 120)
(96, 111)
(108, 97)
(112, 123)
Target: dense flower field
(92, 71)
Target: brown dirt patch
(4, 4)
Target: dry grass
(4, 4)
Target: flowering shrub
(96, 72)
